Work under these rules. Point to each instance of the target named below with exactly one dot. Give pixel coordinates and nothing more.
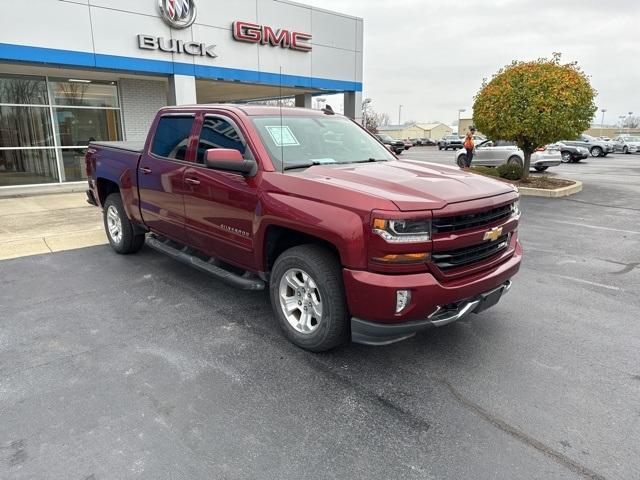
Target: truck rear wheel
(307, 296)
(119, 229)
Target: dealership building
(74, 71)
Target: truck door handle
(145, 170)
(192, 181)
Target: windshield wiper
(307, 165)
(370, 160)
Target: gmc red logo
(254, 33)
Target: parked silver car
(492, 154)
(626, 144)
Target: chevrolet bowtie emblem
(493, 234)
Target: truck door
(220, 206)
(161, 175)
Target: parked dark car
(450, 141)
(427, 142)
(396, 146)
(570, 153)
(597, 148)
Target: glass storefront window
(41, 117)
(25, 127)
(73, 164)
(28, 167)
(23, 90)
(84, 93)
(79, 126)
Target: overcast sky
(431, 55)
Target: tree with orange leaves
(534, 104)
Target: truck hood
(410, 185)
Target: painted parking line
(587, 282)
(596, 227)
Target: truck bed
(134, 147)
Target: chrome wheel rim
(566, 157)
(300, 301)
(114, 224)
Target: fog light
(403, 299)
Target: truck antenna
(281, 132)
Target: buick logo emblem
(178, 13)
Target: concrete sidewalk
(48, 223)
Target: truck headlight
(515, 208)
(402, 231)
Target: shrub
(510, 171)
(485, 171)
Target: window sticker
(282, 136)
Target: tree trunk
(527, 164)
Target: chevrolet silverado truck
(350, 241)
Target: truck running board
(244, 282)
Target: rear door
(161, 175)
(220, 206)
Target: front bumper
(371, 333)
(371, 296)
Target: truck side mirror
(229, 160)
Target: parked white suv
(492, 154)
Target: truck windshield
(301, 141)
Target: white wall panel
(231, 54)
(333, 30)
(284, 15)
(125, 41)
(333, 63)
(134, 6)
(50, 24)
(211, 13)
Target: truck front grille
(470, 220)
(474, 253)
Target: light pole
(602, 121)
(365, 104)
(399, 114)
(630, 113)
(460, 110)
(621, 118)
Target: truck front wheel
(307, 295)
(119, 229)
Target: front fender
(344, 229)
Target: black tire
(446, 148)
(461, 161)
(128, 241)
(597, 152)
(540, 169)
(625, 149)
(566, 157)
(515, 161)
(323, 267)
(398, 152)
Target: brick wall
(140, 100)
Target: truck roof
(249, 110)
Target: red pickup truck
(351, 242)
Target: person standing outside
(468, 145)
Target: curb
(556, 193)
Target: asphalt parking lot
(116, 367)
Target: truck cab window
(172, 137)
(219, 133)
